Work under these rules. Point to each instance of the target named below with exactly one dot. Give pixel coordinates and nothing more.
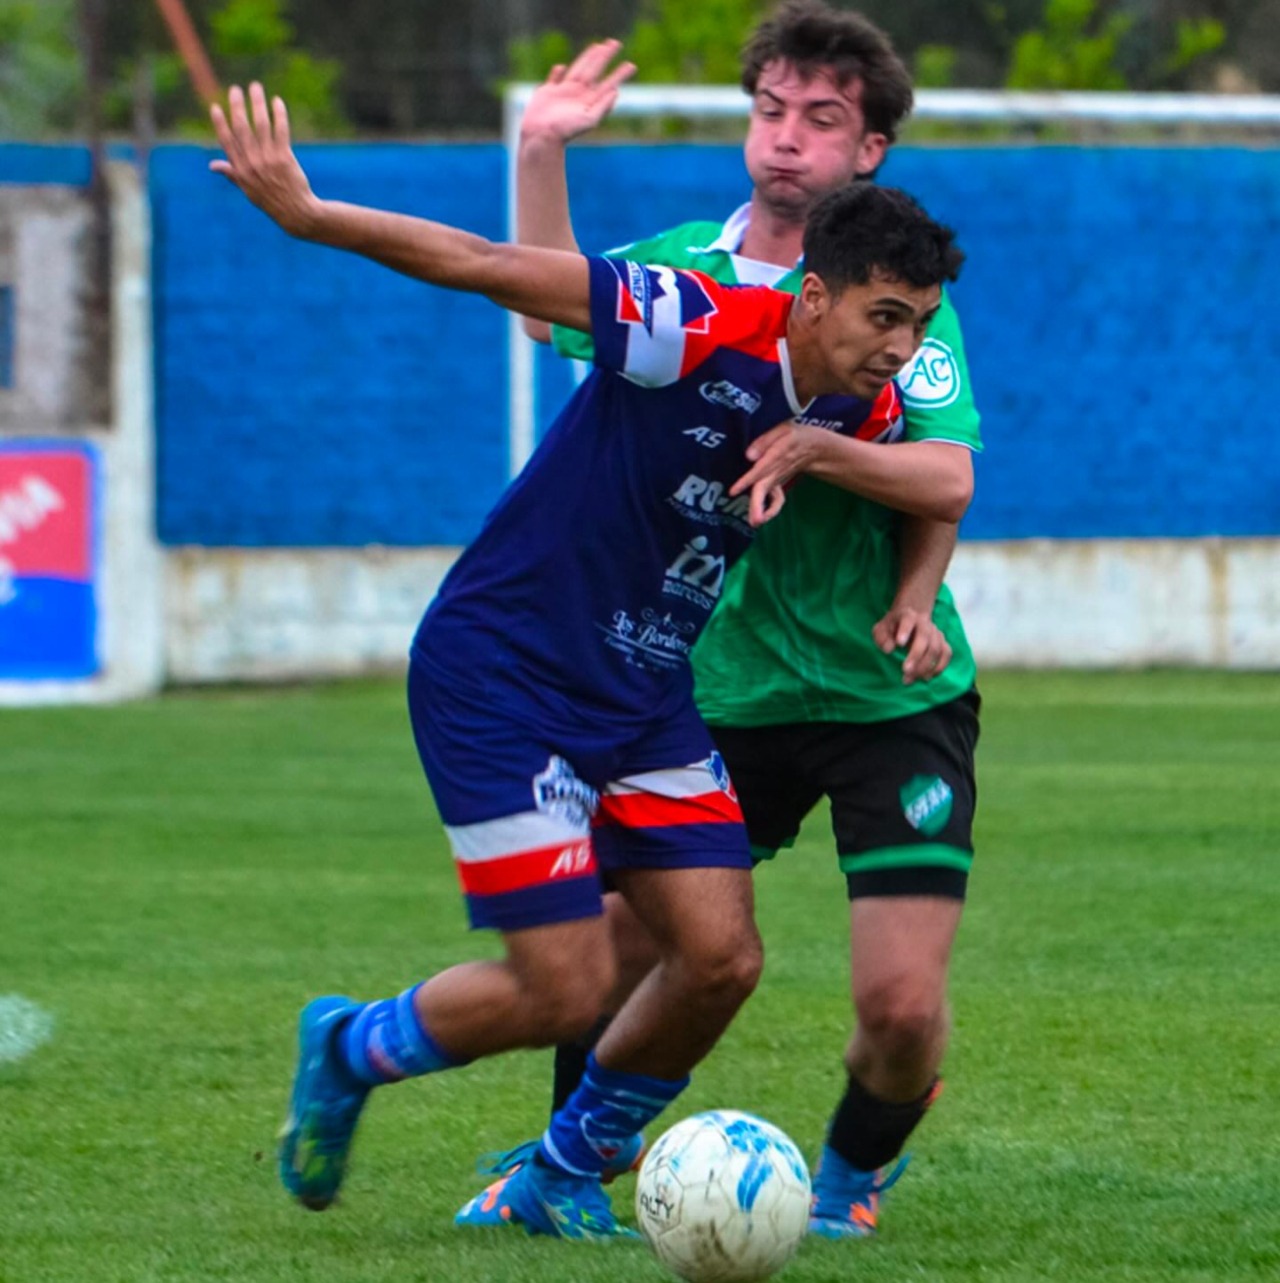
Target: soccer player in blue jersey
(549, 685)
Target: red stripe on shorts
(650, 811)
(527, 869)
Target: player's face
(806, 138)
(867, 333)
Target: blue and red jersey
(593, 576)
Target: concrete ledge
(243, 614)
(281, 614)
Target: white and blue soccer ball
(723, 1197)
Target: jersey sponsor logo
(932, 379)
(730, 395)
(653, 642)
(696, 575)
(558, 791)
(572, 861)
(926, 803)
(641, 289)
(706, 436)
(709, 501)
(827, 425)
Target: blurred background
(225, 456)
(405, 68)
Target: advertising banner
(48, 561)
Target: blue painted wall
(1118, 305)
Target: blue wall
(1119, 308)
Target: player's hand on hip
(575, 99)
(777, 457)
(260, 159)
(912, 630)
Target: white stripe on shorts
(511, 834)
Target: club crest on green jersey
(931, 379)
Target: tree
(254, 40)
(41, 79)
(671, 42)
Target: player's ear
(871, 154)
(815, 298)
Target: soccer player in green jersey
(835, 663)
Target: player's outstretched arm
(548, 284)
(572, 101)
(925, 478)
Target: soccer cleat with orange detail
(846, 1202)
(545, 1201)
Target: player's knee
(904, 1023)
(564, 1004)
(725, 970)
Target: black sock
(868, 1132)
(571, 1062)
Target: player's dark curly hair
(864, 230)
(812, 36)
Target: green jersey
(790, 640)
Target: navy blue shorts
(537, 816)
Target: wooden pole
(187, 42)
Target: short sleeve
(936, 392)
(653, 324)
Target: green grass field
(177, 877)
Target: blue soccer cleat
(628, 1158)
(846, 1202)
(324, 1107)
(545, 1201)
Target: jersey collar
(788, 380)
(735, 228)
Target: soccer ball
(723, 1197)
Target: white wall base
(243, 614)
(249, 615)
(1121, 602)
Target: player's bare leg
(551, 986)
(710, 958)
(901, 951)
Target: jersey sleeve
(653, 325)
(574, 343)
(936, 393)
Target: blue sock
(605, 1111)
(385, 1042)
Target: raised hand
(575, 99)
(260, 159)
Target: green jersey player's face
(807, 137)
(863, 336)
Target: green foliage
(1077, 46)
(40, 69)
(935, 66)
(532, 57)
(250, 29)
(1074, 49)
(1194, 40)
(254, 40)
(672, 42)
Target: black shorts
(902, 794)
